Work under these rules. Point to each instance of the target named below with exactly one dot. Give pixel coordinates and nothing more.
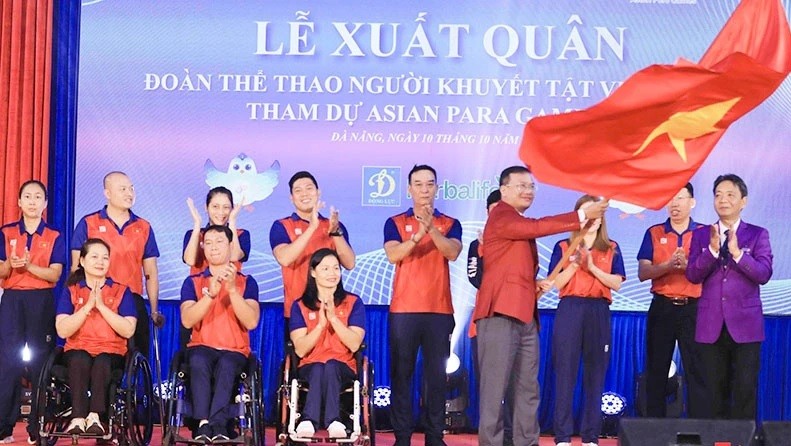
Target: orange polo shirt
(220, 328)
(129, 245)
(329, 346)
(45, 245)
(659, 244)
(583, 283)
(422, 279)
(295, 276)
(96, 335)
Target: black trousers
(142, 336)
(732, 377)
(92, 373)
(430, 333)
(666, 324)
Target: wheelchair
(246, 409)
(357, 408)
(130, 415)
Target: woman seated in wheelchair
(327, 326)
(220, 305)
(96, 316)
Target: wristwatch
(337, 233)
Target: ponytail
(76, 277)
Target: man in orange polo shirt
(420, 242)
(133, 250)
(663, 260)
(220, 305)
(296, 237)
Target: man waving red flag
(647, 139)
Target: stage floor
(382, 439)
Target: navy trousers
(26, 317)
(325, 381)
(212, 376)
(429, 333)
(582, 329)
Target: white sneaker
(336, 429)
(305, 429)
(563, 443)
(93, 425)
(76, 426)
(7, 440)
(590, 444)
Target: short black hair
(690, 189)
(733, 178)
(37, 183)
(298, 176)
(493, 198)
(418, 167)
(513, 169)
(222, 229)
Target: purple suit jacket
(731, 291)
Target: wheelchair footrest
(322, 437)
(188, 440)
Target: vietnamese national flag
(646, 140)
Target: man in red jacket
(506, 309)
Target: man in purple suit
(731, 259)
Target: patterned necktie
(725, 255)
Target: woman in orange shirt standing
(582, 325)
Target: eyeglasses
(524, 187)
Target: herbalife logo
(472, 190)
(381, 186)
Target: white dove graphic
(243, 179)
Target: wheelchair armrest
(359, 357)
(291, 352)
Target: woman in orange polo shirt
(221, 211)
(96, 316)
(582, 325)
(32, 255)
(327, 326)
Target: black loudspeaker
(685, 432)
(777, 433)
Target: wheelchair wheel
(281, 410)
(368, 406)
(53, 402)
(139, 401)
(257, 409)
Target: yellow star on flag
(686, 125)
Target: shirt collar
(296, 217)
(103, 214)
(411, 212)
(107, 282)
(723, 228)
(39, 229)
(669, 226)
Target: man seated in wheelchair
(96, 316)
(327, 326)
(220, 305)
